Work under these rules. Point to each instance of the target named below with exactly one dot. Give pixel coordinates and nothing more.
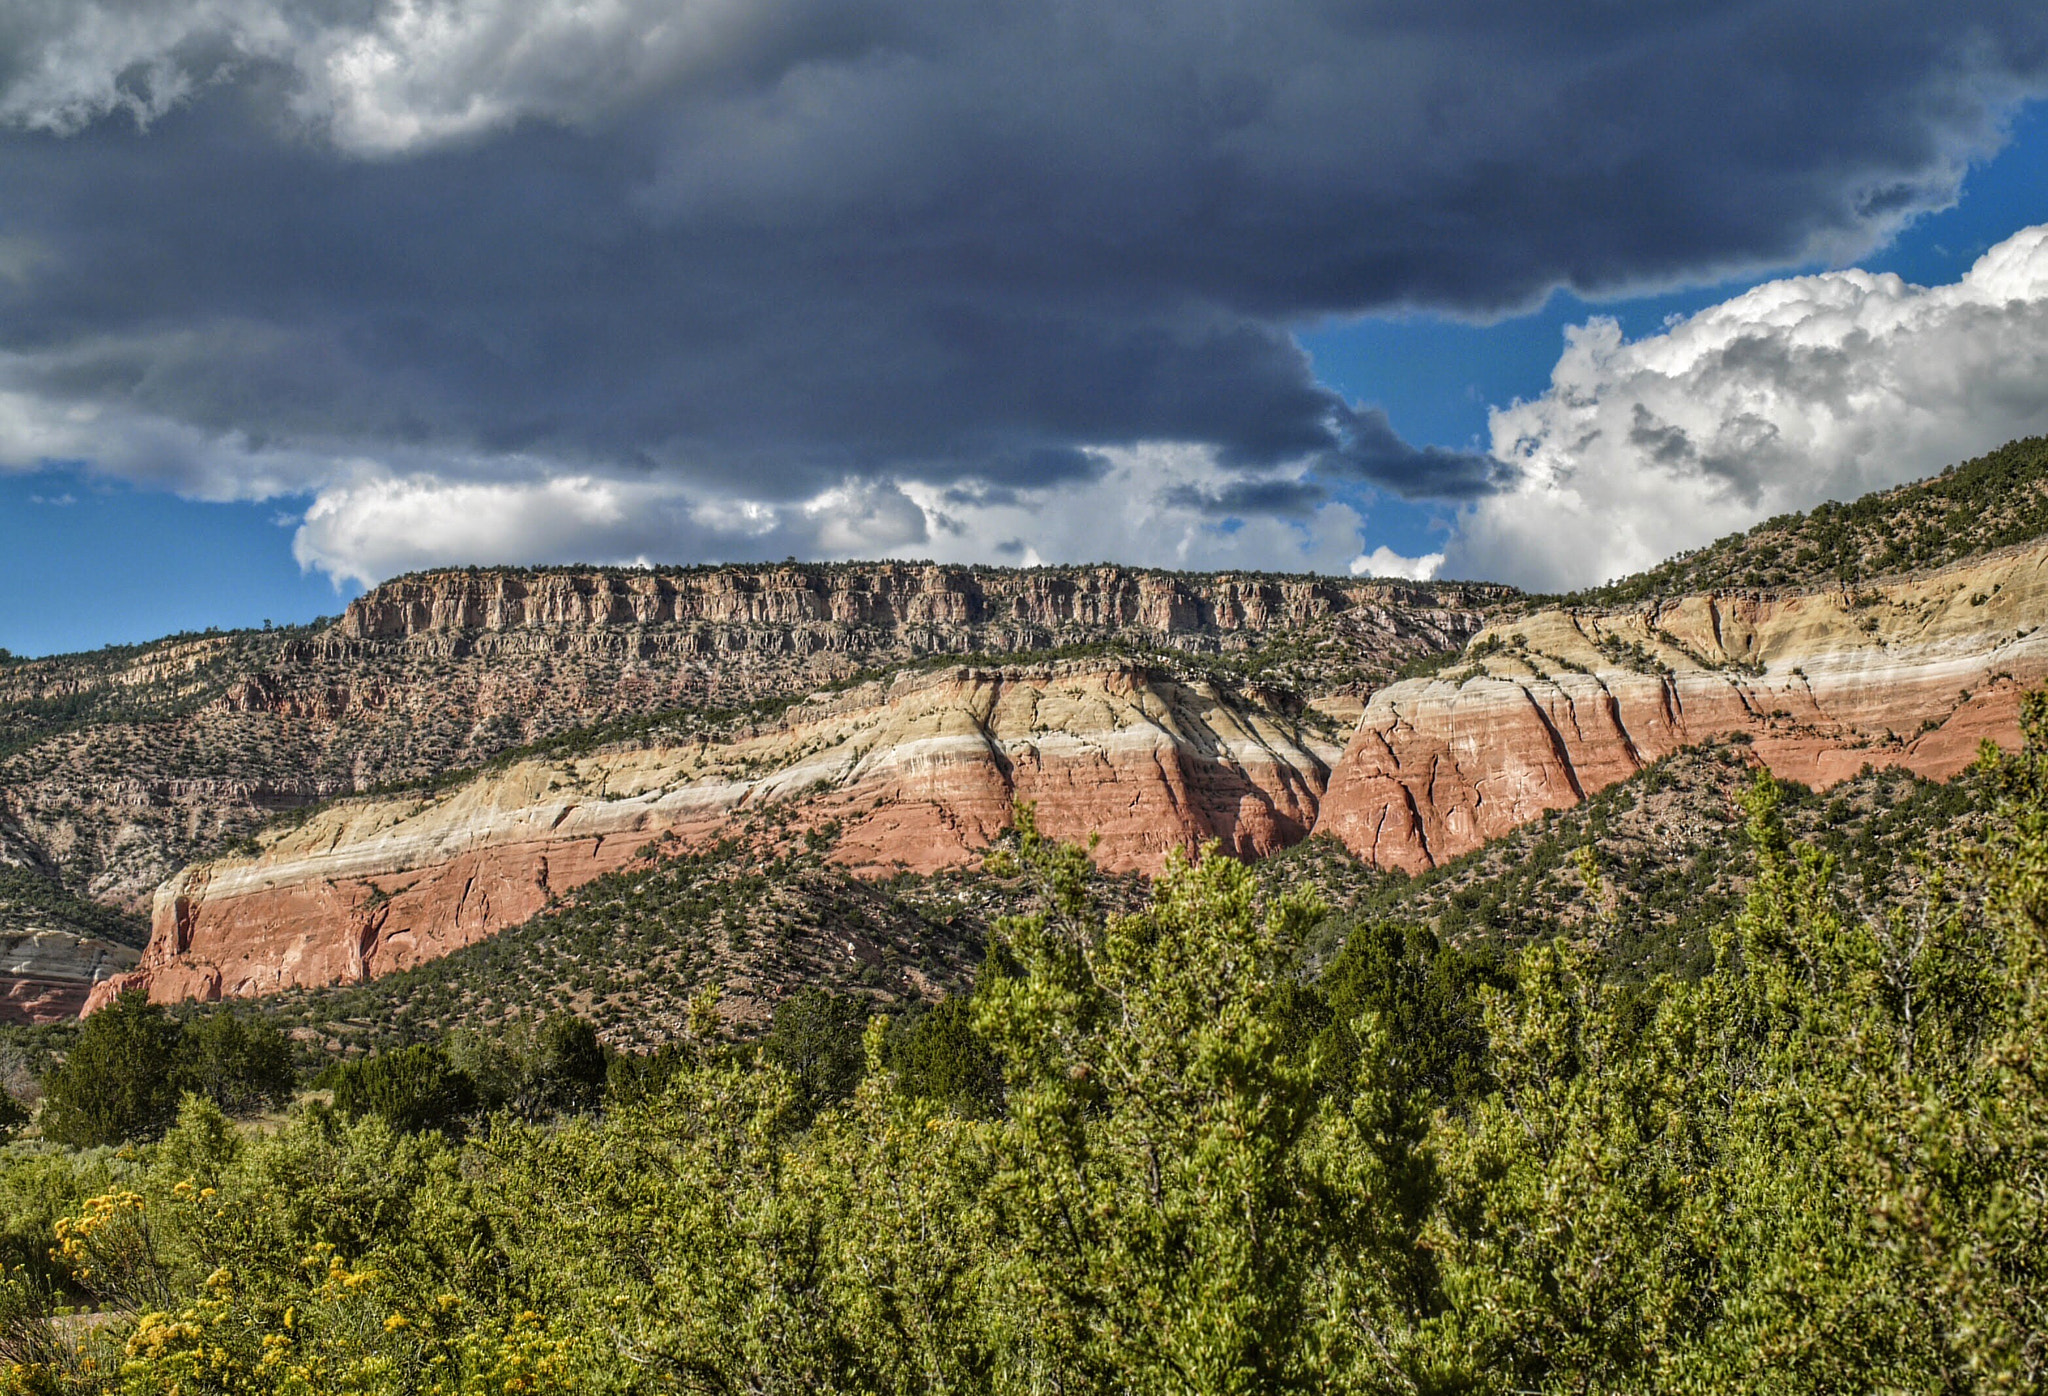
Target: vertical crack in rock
(1557, 746)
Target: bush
(242, 1066)
(938, 1057)
(413, 1089)
(569, 1066)
(816, 1038)
(117, 1084)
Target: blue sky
(1437, 376)
(854, 278)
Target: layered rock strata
(1549, 708)
(47, 973)
(918, 774)
(123, 765)
(886, 596)
(921, 772)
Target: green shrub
(240, 1064)
(413, 1089)
(119, 1081)
(937, 1056)
(816, 1038)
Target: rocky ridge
(1913, 672)
(917, 774)
(920, 772)
(545, 728)
(122, 766)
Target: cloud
(1385, 562)
(1801, 390)
(1147, 507)
(1371, 450)
(1152, 506)
(745, 251)
(377, 526)
(1282, 496)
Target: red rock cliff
(919, 774)
(1546, 710)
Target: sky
(296, 295)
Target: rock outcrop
(1548, 708)
(886, 596)
(921, 771)
(920, 774)
(123, 765)
(48, 973)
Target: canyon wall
(885, 596)
(124, 765)
(916, 774)
(1550, 707)
(920, 772)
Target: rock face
(48, 973)
(122, 766)
(887, 596)
(917, 774)
(1559, 704)
(921, 771)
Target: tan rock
(920, 774)
(1915, 673)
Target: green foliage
(570, 1063)
(132, 1060)
(1425, 999)
(816, 1041)
(938, 1056)
(412, 1089)
(117, 1084)
(535, 1072)
(1817, 1166)
(242, 1065)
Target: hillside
(344, 801)
(1551, 706)
(767, 912)
(1672, 862)
(120, 767)
(1182, 727)
(1994, 501)
(123, 765)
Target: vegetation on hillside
(634, 950)
(31, 901)
(1147, 1154)
(769, 912)
(1670, 861)
(1993, 501)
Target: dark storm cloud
(1286, 497)
(1368, 448)
(809, 240)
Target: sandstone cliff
(919, 773)
(123, 765)
(1553, 706)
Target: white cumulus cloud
(1799, 391)
(1385, 562)
(1143, 509)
